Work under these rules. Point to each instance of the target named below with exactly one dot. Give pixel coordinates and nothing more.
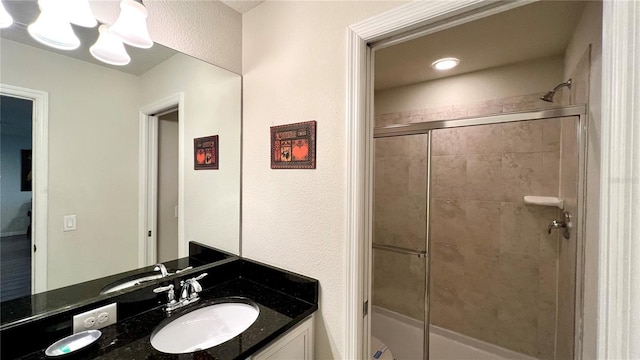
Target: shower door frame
(579, 111)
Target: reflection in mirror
(108, 153)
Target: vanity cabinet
(297, 344)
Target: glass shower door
(400, 264)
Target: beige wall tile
(518, 278)
(549, 183)
(447, 221)
(484, 110)
(449, 142)
(447, 309)
(520, 229)
(399, 282)
(550, 135)
(518, 325)
(400, 220)
(481, 316)
(483, 225)
(523, 136)
(390, 147)
(545, 349)
(447, 266)
(391, 176)
(448, 176)
(481, 271)
(484, 139)
(521, 174)
(418, 175)
(484, 177)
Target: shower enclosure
(461, 263)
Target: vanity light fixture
(5, 18)
(80, 13)
(131, 25)
(445, 63)
(109, 48)
(52, 27)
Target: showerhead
(548, 97)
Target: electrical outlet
(96, 318)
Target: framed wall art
(293, 146)
(205, 153)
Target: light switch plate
(96, 319)
(69, 223)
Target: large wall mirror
(103, 181)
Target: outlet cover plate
(96, 318)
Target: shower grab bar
(400, 250)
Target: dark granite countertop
(283, 298)
(29, 308)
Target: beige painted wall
(93, 161)
(212, 107)
(525, 78)
(589, 31)
(206, 29)
(294, 69)
(167, 187)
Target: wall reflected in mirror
(108, 206)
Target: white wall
(16, 135)
(93, 160)
(523, 78)
(294, 69)
(212, 107)
(589, 31)
(206, 29)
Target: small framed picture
(205, 153)
(293, 146)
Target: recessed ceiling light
(445, 63)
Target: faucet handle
(185, 269)
(168, 289)
(200, 277)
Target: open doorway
(167, 190)
(16, 116)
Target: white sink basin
(204, 328)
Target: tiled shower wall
(493, 265)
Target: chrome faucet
(162, 269)
(188, 293)
(191, 288)
(172, 304)
(565, 225)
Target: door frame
(148, 190)
(40, 185)
(618, 113)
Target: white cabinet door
(296, 344)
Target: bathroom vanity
(283, 328)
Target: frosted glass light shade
(5, 18)
(109, 48)
(52, 27)
(80, 13)
(131, 25)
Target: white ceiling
(242, 6)
(529, 32)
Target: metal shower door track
(424, 127)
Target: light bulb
(445, 63)
(80, 13)
(5, 18)
(109, 48)
(52, 27)
(131, 25)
